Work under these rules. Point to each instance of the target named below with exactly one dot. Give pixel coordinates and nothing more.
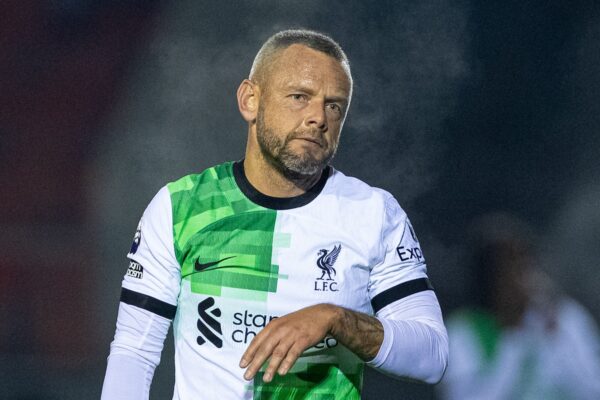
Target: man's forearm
(408, 341)
(360, 333)
(419, 350)
(284, 339)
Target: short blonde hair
(282, 40)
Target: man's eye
(334, 107)
(299, 97)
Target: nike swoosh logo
(201, 267)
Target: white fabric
(134, 354)
(415, 343)
(401, 258)
(161, 271)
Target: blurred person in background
(524, 339)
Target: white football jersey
(223, 260)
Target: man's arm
(415, 344)
(148, 304)
(407, 339)
(134, 354)
(360, 333)
(285, 338)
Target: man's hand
(285, 338)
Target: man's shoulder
(355, 189)
(212, 176)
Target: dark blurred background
(460, 107)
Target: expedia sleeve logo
(409, 248)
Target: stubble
(293, 164)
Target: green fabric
(316, 382)
(212, 221)
(486, 329)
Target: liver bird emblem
(326, 260)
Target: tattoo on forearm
(360, 333)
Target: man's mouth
(311, 140)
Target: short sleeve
(402, 270)
(153, 278)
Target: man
(273, 266)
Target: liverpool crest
(325, 263)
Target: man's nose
(317, 117)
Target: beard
(278, 152)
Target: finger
(279, 353)
(255, 344)
(290, 359)
(261, 355)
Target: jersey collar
(277, 203)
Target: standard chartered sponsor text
(248, 324)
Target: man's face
(302, 109)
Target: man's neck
(269, 180)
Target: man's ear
(248, 96)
